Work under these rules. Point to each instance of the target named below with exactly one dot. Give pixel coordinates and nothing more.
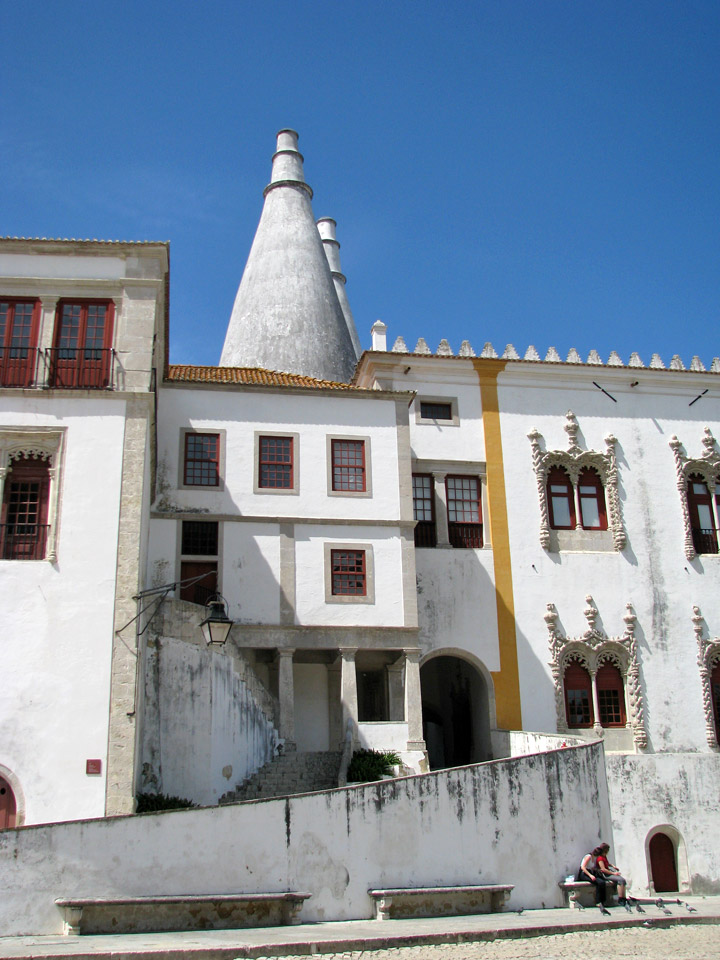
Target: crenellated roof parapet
(573, 358)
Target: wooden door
(662, 864)
(7, 805)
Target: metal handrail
(705, 540)
(23, 541)
(80, 368)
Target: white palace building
(503, 568)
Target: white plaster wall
(250, 572)
(57, 638)
(381, 735)
(244, 412)
(679, 790)
(312, 723)
(311, 606)
(204, 731)
(68, 267)
(456, 602)
(512, 821)
(652, 572)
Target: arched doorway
(456, 712)
(662, 864)
(8, 807)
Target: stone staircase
(288, 774)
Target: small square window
(275, 467)
(200, 538)
(348, 469)
(348, 573)
(432, 410)
(202, 460)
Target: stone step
(289, 774)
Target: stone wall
(524, 821)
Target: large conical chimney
(326, 228)
(287, 315)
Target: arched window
(561, 502)
(8, 806)
(702, 520)
(715, 696)
(591, 497)
(611, 696)
(24, 520)
(578, 696)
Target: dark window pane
(348, 573)
(200, 538)
(430, 410)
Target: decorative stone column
(348, 687)
(286, 696)
(413, 700)
(597, 726)
(46, 337)
(441, 517)
(335, 730)
(396, 698)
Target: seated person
(610, 872)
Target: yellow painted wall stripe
(506, 679)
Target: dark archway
(663, 864)
(8, 806)
(456, 713)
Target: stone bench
(582, 892)
(178, 913)
(449, 901)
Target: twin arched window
(702, 515)
(570, 508)
(581, 705)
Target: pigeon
(639, 908)
(648, 923)
(659, 903)
(603, 911)
(578, 905)
(627, 907)
(519, 911)
(689, 908)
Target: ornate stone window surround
(38, 443)
(591, 650)
(708, 656)
(575, 460)
(708, 467)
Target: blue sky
(524, 171)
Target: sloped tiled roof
(188, 373)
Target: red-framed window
(561, 500)
(578, 696)
(435, 410)
(24, 519)
(348, 465)
(276, 463)
(611, 696)
(591, 496)
(715, 696)
(202, 460)
(81, 356)
(464, 511)
(349, 577)
(19, 326)
(424, 510)
(199, 548)
(702, 520)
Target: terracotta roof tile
(187, 373)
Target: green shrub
(369, 765)
(152, 802)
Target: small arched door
(662, 864)
(8, 806)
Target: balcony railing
(23, 541)
(18, 366)
(80, 368)
(425, 533)
(466, 534)
(705, 541)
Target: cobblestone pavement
(696, 942)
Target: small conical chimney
(326, 227)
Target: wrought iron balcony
(705, 541)
(81, 368)
(23, 541)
